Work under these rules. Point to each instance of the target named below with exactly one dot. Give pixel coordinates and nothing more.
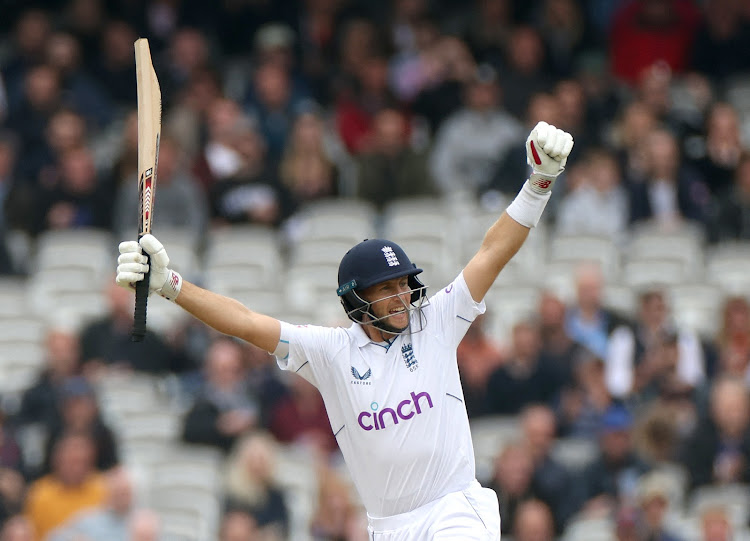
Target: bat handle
(141, 303)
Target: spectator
(526, 377)
(335, 505)
(410, 69)
(220, 159)
(653, 500)
(478, 356)
(585, 401)
(662, 427)
(652, 351)
(238, 525)
(645, 32)
(182, 204)
(512, 481)
(391, 169)
(733, 337)
(723, 31)
(524, 69)
(474, 139)
(723, 149)
(28, 39)
(533, 522)
(249, 485)
(79, 413)
(557, 344)
(72, 486)
(111, 520)
(599, 204)
(106, 345)
(81, 198)
(562, 26)
(635, 122)
(187, 53)
(251, 191)
(718, 450)
(574, 114)
(300, 418)
(224, 409)
(488, 29)
(670, 193)
(114, 67)
(18, 528)
(731, 212)
(587, 320)
(306, 168)
(40, 403)
(611, 480)
(273, 106)
(550, 480)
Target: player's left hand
(547, 151)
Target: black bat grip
(141, 303)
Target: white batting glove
(131, 266)
(547, 151)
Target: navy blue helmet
(371, 262)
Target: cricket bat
(149, 131)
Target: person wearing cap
(390, 381)
(653, 500)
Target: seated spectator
(512, 481)
(733, 337)
(72, 486)
(18, 528)
(474, 139)
(526, 376)
(551, 480)
(334, 508)
(722, 31)
(583, 403)
(718, 450)
(40, 403)
(670, 193)
(390, 168)
(557, 344)
(533, 522)
(237, 525)
(79, 198)
(663, 425)
(598, 205)
(653, 501)
(79, 413)
(249, 485)
(110, 521)
(182, 203)
(587, 320)
(300, 419)
(478, 356)
(732, 208)
(106, 344)
(722, 149)
(224, 409)
(306, 168)
(635, 121)
(646, 355)
(612, 478)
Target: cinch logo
(390, 256)
(377, 420)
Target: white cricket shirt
(397, 410)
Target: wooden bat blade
(149, 132)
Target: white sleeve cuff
(528, 206)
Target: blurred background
(607, 384)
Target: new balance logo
(390, 256)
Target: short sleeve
(308, 349)
(452, 310)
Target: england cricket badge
(409, 359)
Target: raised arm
(547, 150)
(224, 314)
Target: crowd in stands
(271, 105)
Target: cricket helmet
(371, 262)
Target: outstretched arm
(224, 314)
(547, 150)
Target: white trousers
(472, 514)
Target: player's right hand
(547, 151)
(132, 266)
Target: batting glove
(547, 151)
(132, 264)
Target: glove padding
(132, 264)
(547, 151)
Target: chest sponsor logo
(380, 419)
(359, 379)
(409, 359)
